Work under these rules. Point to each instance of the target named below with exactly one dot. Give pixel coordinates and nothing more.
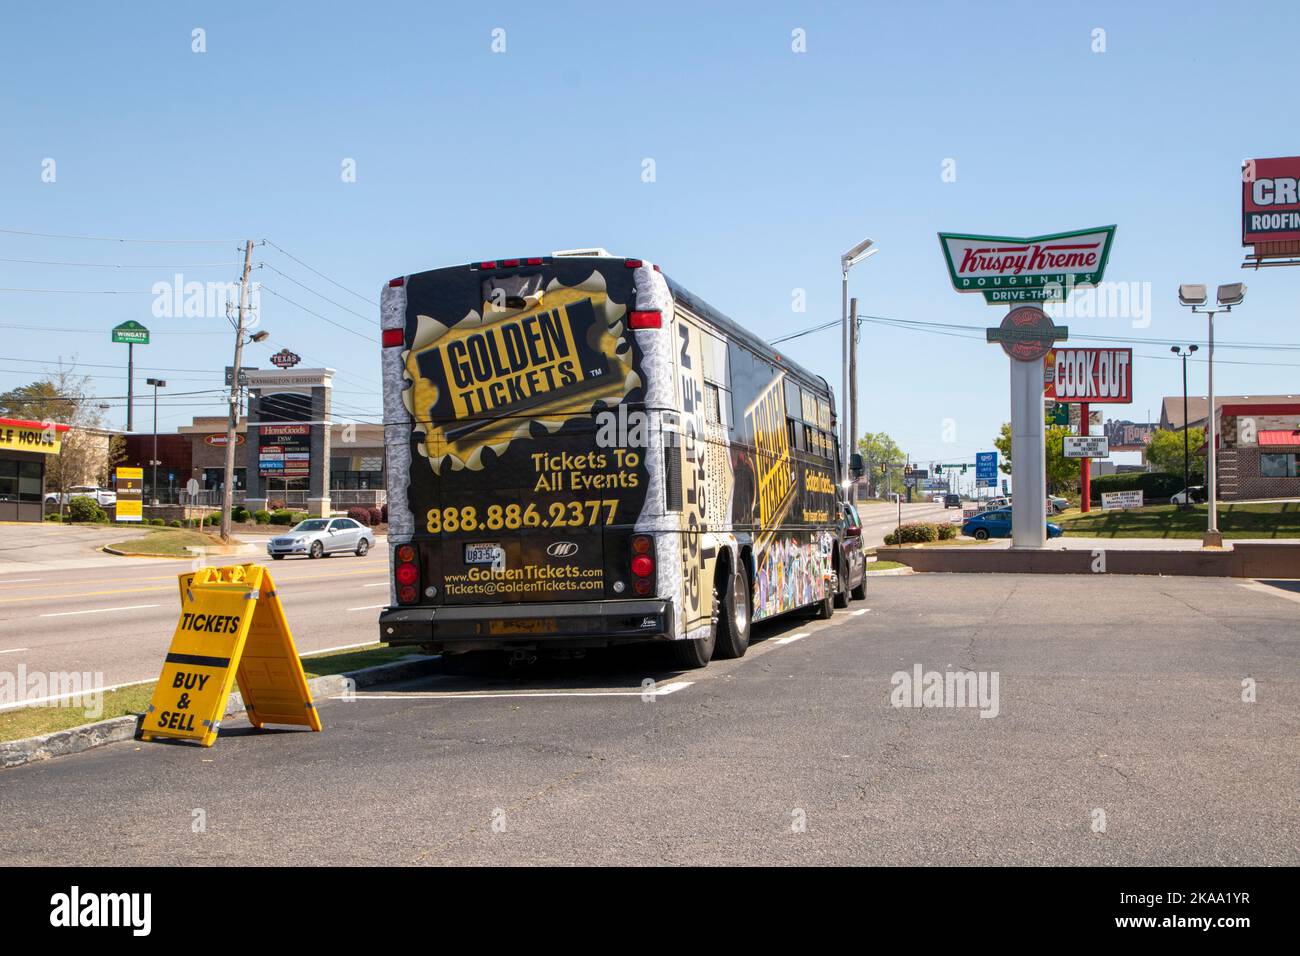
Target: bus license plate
(482, 553)
(523, 625)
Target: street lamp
(157, 383)
(1195, 298)
(1186, 452)
(863, 250)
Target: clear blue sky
(769, 163)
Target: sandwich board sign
(231, 628)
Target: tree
(1165, 452)
(884, 462)
(64, 397)
(1062, 472)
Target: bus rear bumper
(552, 624)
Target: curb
(60, 743)
(891, 572)
(242, 551)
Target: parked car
(321, 537)
(106, 497)
(938, 499)
(997, 524)
(1194, 495)
(951, 501)
(992, 504)
(855, 585)
(1058, 504)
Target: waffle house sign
(1009, 270)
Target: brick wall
(1249, 484)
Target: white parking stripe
(100, 610)
(860, 613)
(377, 584)
(792, 638)
(663, 691)
(14, 650)
(368, 607)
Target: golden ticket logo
(486, 380)
(766, 418)
(511, 362)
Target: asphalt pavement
(1120, 737)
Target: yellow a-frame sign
(232, 627)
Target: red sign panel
(1270, 200)
(1096, 376)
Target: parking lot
(1117, 734)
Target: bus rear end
(518, 399)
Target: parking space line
(100, 610)
(14, 650)
(663, 691)
(1263, 588)
(861, 612)
(791, 638)
(368, 607)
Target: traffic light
(963, 469)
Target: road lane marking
(281, 585)
(663, 691)
(792, 638)
(14, 650)
(368, 607)
(342, 647)
(101, 610)
(377, 584)
(862, 612)
(4, 581)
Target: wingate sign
(1270, 200)
(1096, 376)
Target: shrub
(360, 515)
(275, 504)
(261, 517)
(239, 513)
(914, 532)
(383, 513)
(1154, 485)
(297, 516)
(376, 516)
(947, 532)
(212, 519)
(54, 516)
(157, 522)
(174, 523)
(281, 516)
(85, 508)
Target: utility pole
(853, 389)
(228, 489)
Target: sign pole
(130, 386)
(1085, 466)
(1028, 456)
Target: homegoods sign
(1037, 268)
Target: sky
(362, 142)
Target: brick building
(1258, 441)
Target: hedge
(360, 515)
(85, 508)
(261, 516)
(915, 532)
(1152, 484)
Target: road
(116, 619)
(1120, 737)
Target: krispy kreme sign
(1096, 376)
(1036, 268)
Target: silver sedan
(320, 537)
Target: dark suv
(951, 501)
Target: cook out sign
(1090, 375)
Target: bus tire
(841, 583)
(824, 608)
(692, 655)
(734, 619)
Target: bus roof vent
(594, 251)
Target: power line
(372, 339)
(119, 265)
(160, 242)
(321, 274)
(47, 328)
(318, 295)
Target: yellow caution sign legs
(232, 627)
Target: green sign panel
(131, 333)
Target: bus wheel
(824, 608)
(841, 584)
(734, 619)
(694, 654)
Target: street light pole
(157, 383)
(1187, 454)
(863, 250)
(1195, 297)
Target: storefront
(1259, 450)
(24, 447)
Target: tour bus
(582, 453)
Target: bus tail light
(394, 337)
(406, 571)
(643, 565)
(646, 320)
